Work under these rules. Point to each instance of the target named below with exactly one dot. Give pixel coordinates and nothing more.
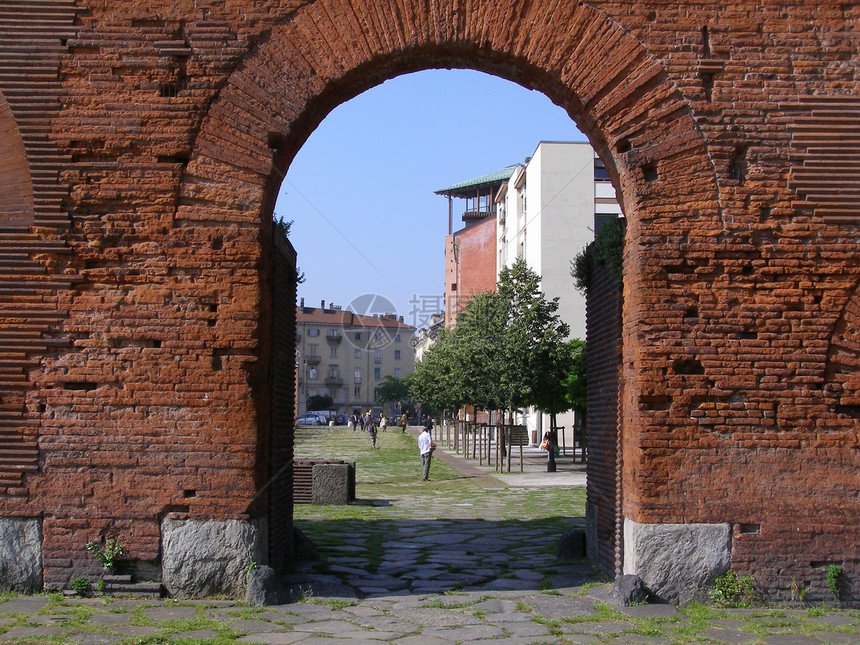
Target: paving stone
(728, 635)
(650, 611)
(513, 640)
(326, 627)
(835, 620)
(110, 618)
(838, 638)
(582, 639)
(511, 583)
(435, 617)
(201, 634)
(279, 638)
(34, 632)
(598, 628)
(51, 619)
(95, 638)
(161, 614)
(527, 574)
(24, 604)
(254, 626)
(135, 630)
(559, 607)
(729, 623)
(422, 639)
(466, 633)
(524, 628)
(638, 638)
(790, 639)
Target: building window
(313, 350)
(397, 372)
(356, 392)
(333, 372)
(313, 373)
(357, 353)
(313, 332)
(356, 375)
(333, 352)
(377, 373)
(377, 355)
(396, 338)
(358, 335)
(453, 286)
(396, 354)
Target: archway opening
(371, 233)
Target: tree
(575, 383)
(320, 402)
(392, 389)
(436, 384)
(536, 362)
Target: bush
(80, 586)
(732, 590)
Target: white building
(547, 212)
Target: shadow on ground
(365, 558)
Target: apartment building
(545, 210)
(470, 253)
(346, 355)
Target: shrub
(732, 590)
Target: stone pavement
(494, 617)
(426, 583)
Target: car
(310, 419)
(341, 420)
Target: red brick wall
(163, 129)
(476, 270)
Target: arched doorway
(618, 95)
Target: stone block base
(677, 562)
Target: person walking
(404, 421)
(425, 449)
(361, 421)
(370, 426)
(383, 422)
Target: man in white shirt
(425, 449)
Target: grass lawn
(389, 486)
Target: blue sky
(361, 189)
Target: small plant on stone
(108, 555)
(798, 590)
(101, 585)
(80, 586)
(732, 590)
(834, 579)
(251, 566)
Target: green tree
(392, 389)
(320, 402)
(436, 383)
(536, 361)
(575, 383)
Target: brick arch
(324, 55)
(16, 188)
(620, 97)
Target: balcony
(313, 359)
(470, 216)
(333, 381)
(334, 337)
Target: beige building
(346, 355)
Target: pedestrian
(361, 421)
(425, 449)
(404, 421)
(370, 426)
(354, 421)
(383, 422)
